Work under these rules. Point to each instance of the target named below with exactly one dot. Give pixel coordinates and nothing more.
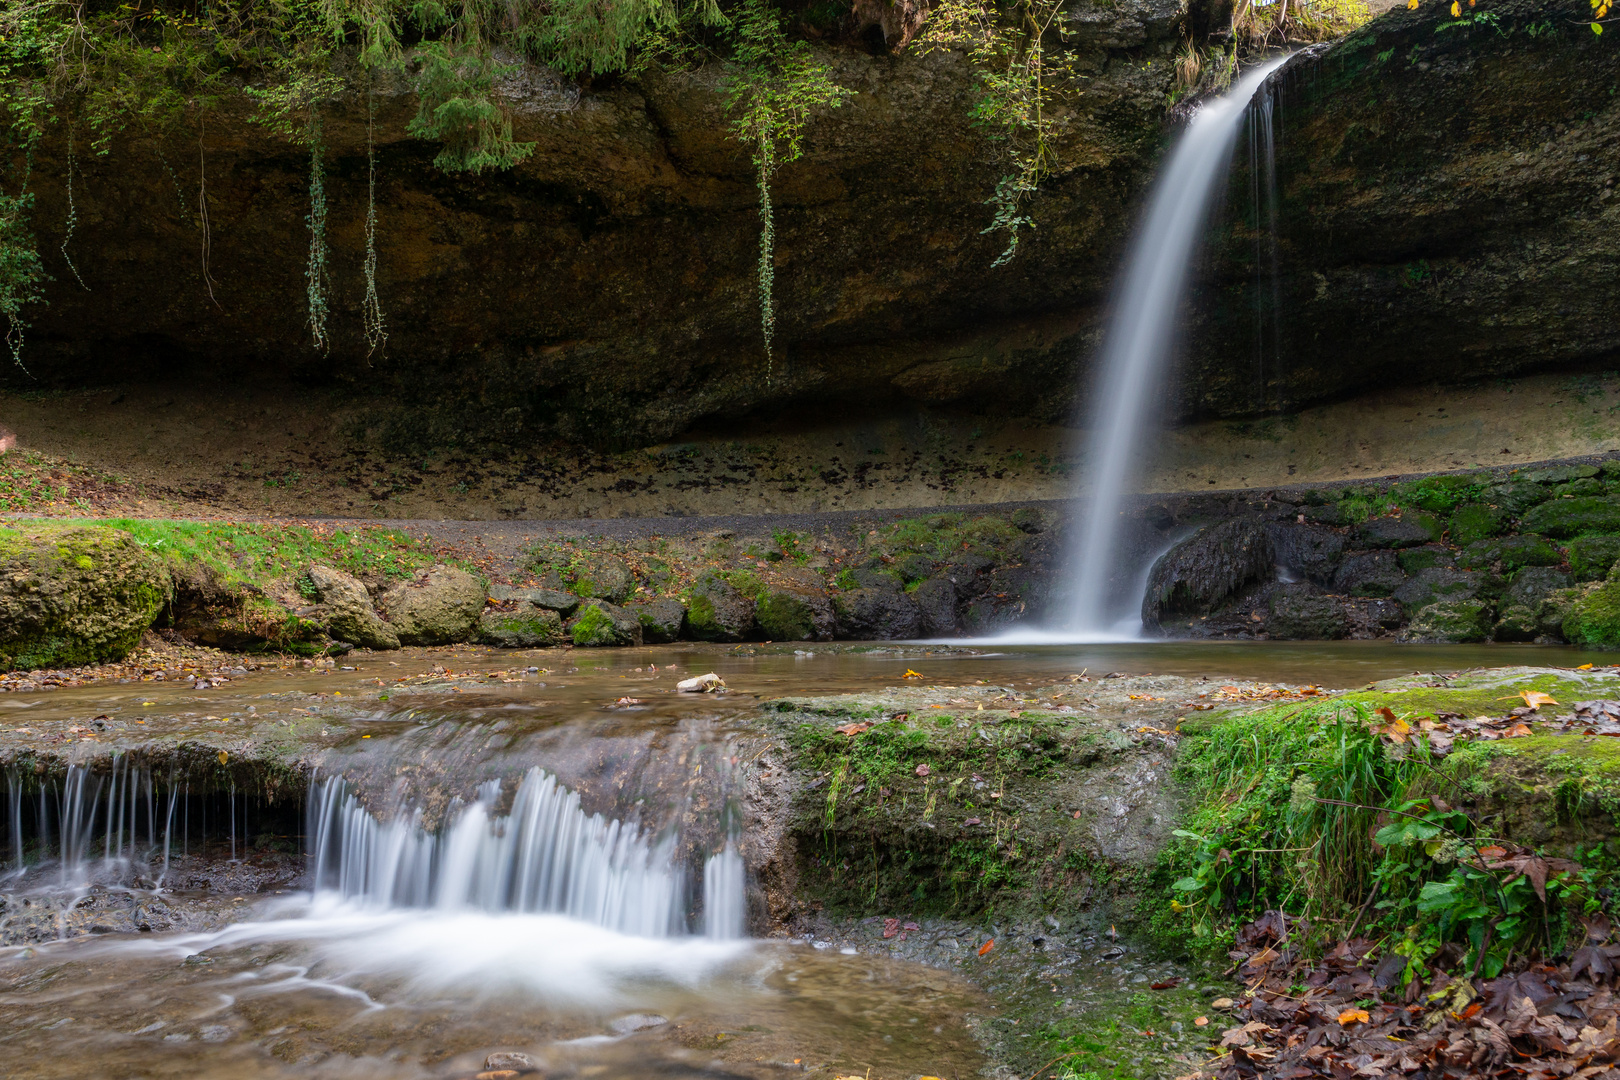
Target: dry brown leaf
(1353, 1016)
(1536, 699)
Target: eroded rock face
(437, 606)
(1201, 572)
(71, 596)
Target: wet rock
(1509, 553)
(914, 567)
(1517, 622)
(1578, 488)
(1327, 514)
(718, 612)
(1408, 530)
(936, 602)
(235, 615)
(600, 576)
(1516, 497)
(1450, 621)
(437, 606)
(1591, 557)
(1298, 611)
(600, 623)
(624, 1025)
(348, 612)
(1555, 609)
(1570, 517)
(1471, 522)
(71, 596)
(563, 603)
(1206, 569)
(662, 621)
(1532, 585)
(1561, 474)
(1594, 617)
(1310, 551)
(526, 626)
(1369, 573)
(870, 614)
(876, 578)
(1413, 560)
(791, 613)
(1436, 584)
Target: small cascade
(1137, 346)
(87, 825)
(546, 855)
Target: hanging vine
(772, 87)
(72, 214)
(371, 308)
(315, 274)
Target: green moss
(593, 627)
(1592, 557)
(1439, 494)
(1512, 552)
(1573, 517)
(1476, 521)
(784, 617)
(1451, 621)
(1595, 617)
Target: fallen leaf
(1167, 984)
(223, 757)
(1536, 699)
(987, 946)
(972, 821)
(1353, 1016)
(1584, 667)
(922, 770)
(852, 729)
(912, 674)
(1202, 1021)
(1517, 731)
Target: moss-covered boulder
(662, 621)
(71, 596)
(1592, 557)
(1533, 584)
(601, 623)
(1477, 521)
(1408, 530)
(717, 611)
(1517, 622)
(1572, 517)
(1555, 608)
(1299, 612)
(1436, 584)
(605, 577)
(437, 606)
(1450, 621)
(1509, 553)
(1594, 617)
(525, 626)
(347, 611)
(1517, 496)
(1427, 557)
(877, 615)
(1369, 573)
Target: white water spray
(1139, 340)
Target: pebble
(509, 1062)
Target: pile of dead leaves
(1227, 695)
(1353, 1013)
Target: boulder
(1436, 584)
(601, 576)
(795, 613)
(1571, 517)
(1409, 530)
(718, 612)
(1477, 521)
(876, 615)
(1561, 474)
(1591, 557)
(1298, 611)
(347, 612)
(1509, 553)
(1413, 560)
(1578, 488)
(1515, 497)
(437, 606)
(936, 602)
(914, 567)
(870, 577)
(72, 596)
(600, 623)
(1450, 622)
(1516, 623)
(1555, 608)
(1369, 573)
(662, 621)
(563, 603)
(1532, 585)
(1594, 616)
(1310, 551)
(525, 626)
(1206, 569)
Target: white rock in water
(701, 684)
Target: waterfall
(546, 855)
(1138, 342)
(98, 826)
(1263, 204)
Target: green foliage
(773, 85)
(255, 553)
(1017, 79)
(315, 274)
(456, 108)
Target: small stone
(701, 684)
(512, 1061)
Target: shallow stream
(514, 852)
